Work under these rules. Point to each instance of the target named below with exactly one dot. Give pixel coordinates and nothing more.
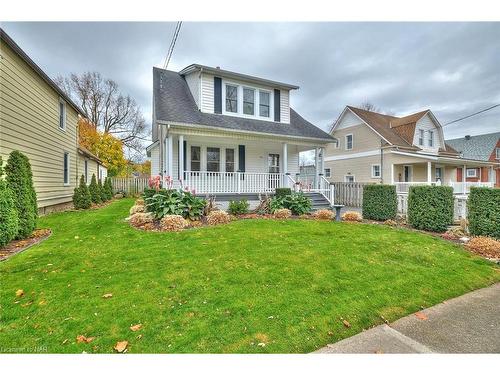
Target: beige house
(377, 148)
(39, 120)
(89, 164)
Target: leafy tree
(81, 195)
(9, 223)
(19, 179)
(95, 194)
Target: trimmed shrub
(379, 202)
(430, 207)
(282, 192)
(323, 215)
(238, 207)
(81, 195)
(108, 188)
(95, 194)
(352, 216)
(19, 180)
(102, 193)
(9, 225)
(218, 217)
(282, 213)
(483, 208)
(173, 223)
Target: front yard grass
(252, 286)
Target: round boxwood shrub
(81, 195)
(282, 192)
(483, 208)
(430, 207)
(95, 194)
(19, 180)
(379, 202)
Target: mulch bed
(17, 246)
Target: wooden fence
(349, 193)
(130, 185)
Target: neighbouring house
(484, 147)
(40, 120)
(89, 164)
(378, 148)
(226, 133)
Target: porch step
(319, 202)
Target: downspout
(200, 90)
(381, 161)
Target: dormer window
(431, 138)
(421, 137)
(231, 98)
(264, 103)
(248, 101)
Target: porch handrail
(326, 189)
(291, 182)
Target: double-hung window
(229, 159)
(248, 101)
(264, 103)
(348, 142)
(195, 158)
(66, 168)
(349, 178)
(231, 98)
(497, 156)
(328, 172)
(431, 138)
(421, 137)
(86, 171)
(375, 170)
(62, 114)
(213, 159)
(471, 172)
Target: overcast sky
(451, 68)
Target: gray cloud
(451, 68)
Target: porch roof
(174, 103)
(449, 160)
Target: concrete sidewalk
(466, 324)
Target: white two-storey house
(222, 132)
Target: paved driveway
(466, 324)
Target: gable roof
(15, 47)
(173, 102)
(478, 147)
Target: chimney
(467, 137)
(217, 67)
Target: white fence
(129, 185)
(459, 206)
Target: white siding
(426, 123)
(285, 106)
(155, 160)
(207, 93)
(348, 120)
(193, 82)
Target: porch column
(492, 175)
(181, 157)
(464, 172)
(316, 167)
(392, 174)
(285, 164)
(322, 160)
(429, 172)
(170, 157)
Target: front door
(407, 173)
(273, 164)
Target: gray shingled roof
(477, 147)
(174, 103)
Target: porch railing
(233, 182)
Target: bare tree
(367, 106)
(105, 106)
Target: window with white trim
(375, 170)
(349, 178)
(248, 101)
(328, 172)
(66, 168)
(431, 138)
(62, 114)
(213, 159)
(231, 98)
(348, 141)
(471, 172)
(86, 170)
(229, 159)
(264, 103)
(497, 156)
(421, 137)
(195, 158)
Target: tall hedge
(108, 188)
(81, 195)
(102, 193)
(430, 207)
(8, 214)
(483, 208)
(95, 194)
(19, 179)
(379, 202)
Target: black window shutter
(277, 105)
(217, 95)
(185, 159)
(241, 158)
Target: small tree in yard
(81, 196)
(94, 191)
(19, 180)
(8, 214)
(108, 188)
(102, 193)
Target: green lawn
(287, 284)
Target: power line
(473, 114)
(172, 44)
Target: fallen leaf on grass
(420, 315)
(82, 338)
(65, 341)
(19, 293)
(346, 323)
(136, 327)
(139, 337)
(107, 295)
(121, 346)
